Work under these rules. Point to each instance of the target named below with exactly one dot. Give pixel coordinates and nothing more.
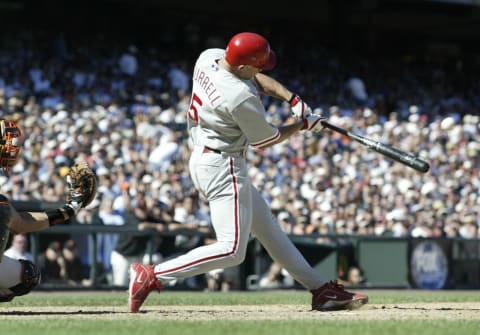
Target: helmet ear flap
(10, 145)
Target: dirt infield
(411, 311)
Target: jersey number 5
(192, 110)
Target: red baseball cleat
(142, 282)
(333, 297)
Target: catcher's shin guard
(30, 277)
(5, 222)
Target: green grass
(220, 327)
(233, 298)
(137, 324)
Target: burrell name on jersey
(203, 80)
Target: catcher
(19, 277)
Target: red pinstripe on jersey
(236, 222)
(266, 141)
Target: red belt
(215, 151)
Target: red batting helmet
(10, 145)
(250, 49)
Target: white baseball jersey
(226, 112)
(226, 115)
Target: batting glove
(313, 123)
(300, 109)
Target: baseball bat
(384, 149)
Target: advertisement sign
(429, 265)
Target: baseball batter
(226, 116)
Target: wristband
(59, 215)
(294, 100)
(305, 124)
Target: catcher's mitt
(81, 184)
(10, 144)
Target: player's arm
(81, 189)
(25, 222)
(260, 134)
(269, 86)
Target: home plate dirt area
(410, 311)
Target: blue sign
(429, 266)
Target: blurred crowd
(122, 107)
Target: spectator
(52, 264)
(107, 241)
(219, 280)
(276, 277)
(128, 62)
(73, 264)
(19, 248)
(354, 277)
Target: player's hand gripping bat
(395, 154)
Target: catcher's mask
(10, 145)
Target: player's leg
(225, 183)
(18, 277)
(279, 246)
(5, 222)
(230, 207)
(10, 270)
(326, 296)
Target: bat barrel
(402, 157)
(395, 154)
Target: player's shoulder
(235, 90)
(210, 55)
